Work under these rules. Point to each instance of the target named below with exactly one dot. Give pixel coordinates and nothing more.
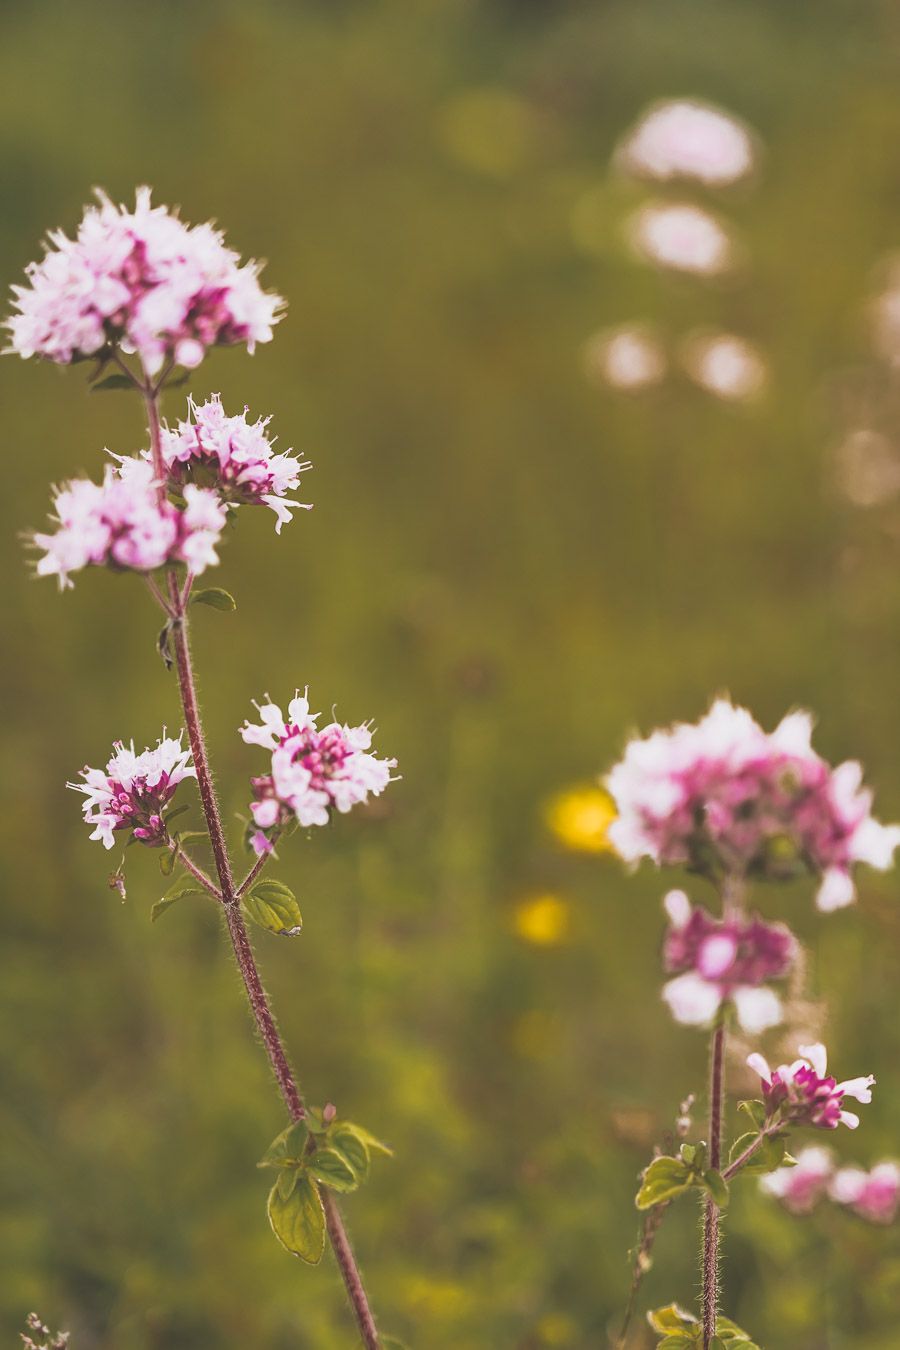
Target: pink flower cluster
(688, 139)
(313, 771)
(234, 456)
(681, 236)
(723, 960)
(801, 1186)
(144, 281)
(134, 790)
(722, 796)
(803, 1093)
(123, 522)
(873, 1195)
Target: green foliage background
(509, 570)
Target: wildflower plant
(737, 805)
(143, 296)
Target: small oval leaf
(664, 1179)
(288, 1148)
(365, 1137)
(216, 598)
(299, 1221)
(287, 1180)
(347, 1141)
(273, 906)
(717, 1186)
(171, 898)
(332, 1169)
(671, 1319)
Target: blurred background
(511, 565)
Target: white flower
(688, 139)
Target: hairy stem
(237, 931)
(743, 1158)
(255, 870)
(710, 1287)
(196, 872)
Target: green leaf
(167, 863)
(731, 1332)
(701, 1153)
(391, 1343)
(215, 597)
(274, 907)
(769, 1156)
(717, 1344)
(112, 382)
(678, 1342)
(171, 898)
(688, 1153)
(717, 1186)
(287, 1149)
(315, 1122)
(346, 1140)
(756, 1111)
(663, 1180)
(671, 1318)
(299, 1221)
(372, 1144)
(772, 1155)
(178, 811)
(740, 1144)
(329, 1167)
(287, 1180)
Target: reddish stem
(710, 1289)
(196, 872)
(237, 931)
(254, 871)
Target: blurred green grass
(506, 568)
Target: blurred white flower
(867, 468)
(681, 236)
(688, 139)
(631, 357)
(724, 365)
(884, 314)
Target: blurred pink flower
(688, 139)
(234, 456)
(134, 790)
(681, 236)
(142, 280)
(873, 1195)
(723, 960)
(803, 1094)
(724, 797)
(122, 523)
(313, 771)
(629, 358)
(800, 1187)
(724, 365)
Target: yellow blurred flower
(542, 920)
(489, 130)
(436, 1297)
(580, 818)
(556, 1329)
